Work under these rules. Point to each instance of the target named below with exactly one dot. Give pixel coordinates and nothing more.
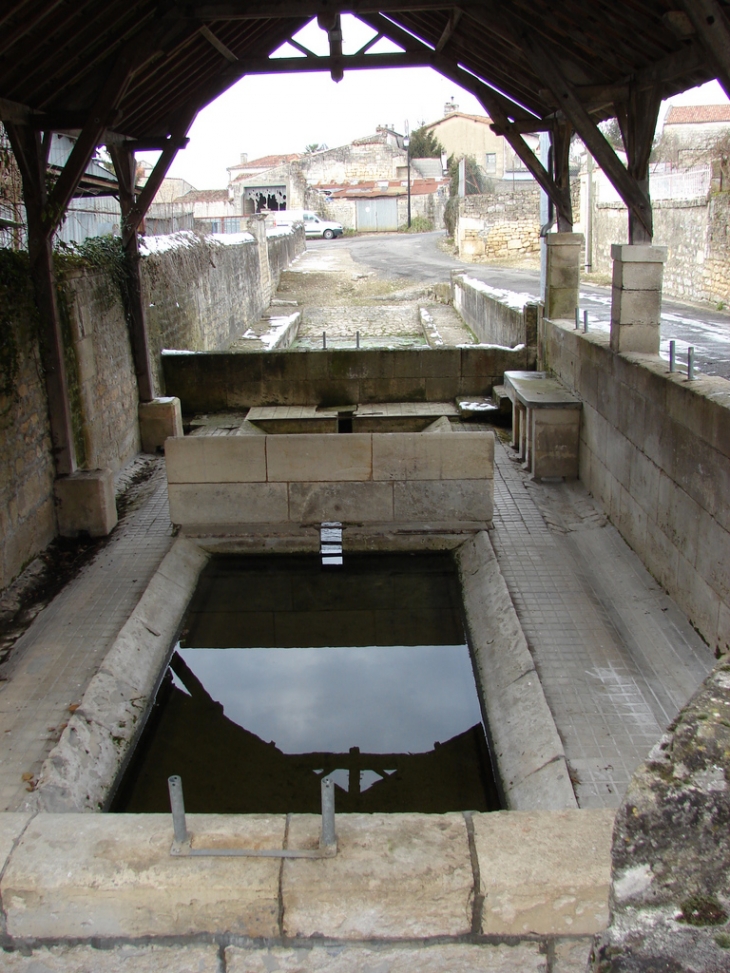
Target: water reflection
(397, 726)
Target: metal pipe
(690, 364)
(672, 353)
(177, 806)
(328, 838)
(324, 340)
(585, 322)
(357, 339)
(577, 318)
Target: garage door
(377, 214)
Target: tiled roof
(484, 119)
(697, 114)
(372, 188)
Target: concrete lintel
(159, 419)
(85, 503)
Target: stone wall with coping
(655, 450)
(284, 248)
(492, 319)
(234, 483)
(213, 381)
(695, 231)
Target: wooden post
(638, 125)
(125, 168)
(561, 135)
(31, 155)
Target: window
(490, 162)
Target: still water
(285, 672)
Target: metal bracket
(182, 845)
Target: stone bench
(545, 424)
(235, 484)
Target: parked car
(314, 226)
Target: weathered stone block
(191, 958)
(635, 308)
(221, 504)
(216, 459)
(347, 501)
(411, 457)
(159, 420)
(111, 875)
(312, 457)
(544, 872)
(395, 876)
(443, 501)
(85, 503)
(425, 958)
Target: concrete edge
(529, 755)
(81, 769)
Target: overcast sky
(283, 113)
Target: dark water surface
(285, 672)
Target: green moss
(723, 940)
(702, 910)
(72, 377)
(16, 305)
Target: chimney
(450, 107)
(244, 158)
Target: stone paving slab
(571, 955)
(544, 872)
(395, 875)
(121, 959)
(443, 958)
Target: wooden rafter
(713, 28)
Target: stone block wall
(695, 231)
(655, 450)
(500, 224)
(233, 483)
(283, 249)
(211, 382)
(492, 320)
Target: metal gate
(377, 214)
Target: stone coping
(110, 877)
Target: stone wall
(655, 451)
(493, 320)
(284, 248)
(240, 484)
(27, 519)
(210, 382)
(199, 294)
(695, 231)
(502, 224)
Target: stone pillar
(85, 503)
(256, 225)
(636, 299)
(562, 274)
(158, 420)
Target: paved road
(417, 257)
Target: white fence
(691, 184)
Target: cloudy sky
(284, 113)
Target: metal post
(672, 352)
(357, 339)
(328, 838)
(324, 340)
(177, 806)
(577, 318)
(690, 363)
(585, 321)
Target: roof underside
(55, 55)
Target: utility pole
(407, 144)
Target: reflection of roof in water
(227, 769)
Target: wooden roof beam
(283, 9)
(545, 65)
(713, 29)
(452, 23)
(294, 65)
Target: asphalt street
(417, 257)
